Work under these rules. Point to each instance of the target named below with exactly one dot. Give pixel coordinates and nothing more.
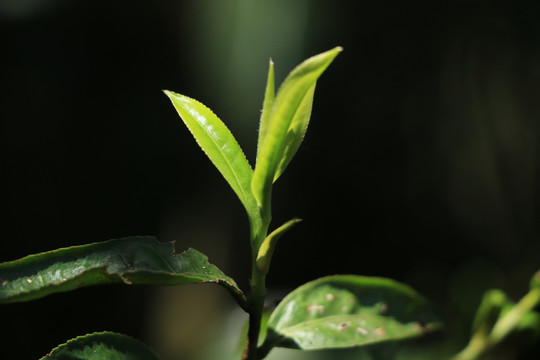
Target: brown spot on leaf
(329, 297)
(343, 325)
(384, 308)
(29, 280)
(362, 331)
(316, 308)
(380, 331)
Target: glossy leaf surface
(103, 345)
(135, 260)
(296, 131)
(347, 310)
(289, 100)
(220, 146)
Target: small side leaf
(136, 260)
(220, 146)
(102, 345)
(289, 100)
(346, 311)
(264, 256)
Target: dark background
(420, 164)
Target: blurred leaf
(103, 345)
(348, 310)
(489, 310)
(221, 147)
(530, 322)
(134, 260)
(290, 100)
(535, 281)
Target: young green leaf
(269, 97)
(290, 100)
(102, 345)
(136, 260)
(296, 132)
(348, 310)
(220, 146)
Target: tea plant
(332, 312)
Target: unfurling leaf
(268, 103)
(287, 122)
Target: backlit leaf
(221, 147)
(296, 132)
(290, 99)
(269, 97)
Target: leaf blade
(296, 132)
(346, 310)
(268, 103)
(135, 260)
(102, 345)
(288, 99)
(219, 144)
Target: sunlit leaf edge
(111, 339)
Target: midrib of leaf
(323, 320)
(218, 155)
(213, 136)
(137, 260)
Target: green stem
(482, 342)
(258, 288)
(258, 295)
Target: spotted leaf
(346, 311)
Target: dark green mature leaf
(221, 147)
(290, 100)
(135, 260)
(348, 310)
(100, 346)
